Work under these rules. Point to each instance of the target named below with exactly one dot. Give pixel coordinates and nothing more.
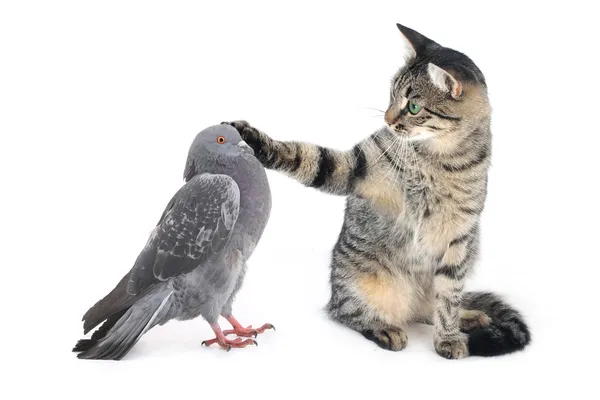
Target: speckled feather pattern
(194, 262)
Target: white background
(100, 101)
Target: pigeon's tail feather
(118, 300)
(122, 296)
(86, 344)
(121, 331)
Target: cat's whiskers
(399, 159)
(416, 166)
(402, 161)
(377, 115)
(380, 131)
(384, 152)
(376, 109)
(397, 142)
(395, 160)
(397, 150)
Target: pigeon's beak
(245, 148)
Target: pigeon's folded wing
(193, 230)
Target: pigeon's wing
(193, 230)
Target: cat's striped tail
(507, 331)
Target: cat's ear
(417, 41)
(444, 80)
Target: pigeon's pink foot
(225, 343)
(229, 344)
(239, 330)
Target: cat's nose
(392, 115)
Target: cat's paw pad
(452, 349)
(394, 339)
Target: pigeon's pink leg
(239, 330)
(225, 343)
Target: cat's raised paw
(452, 349)
(240, 125)
(394, 339)
(258, 141)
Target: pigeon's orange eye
(221, 139)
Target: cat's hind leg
(353, 313)
(469, 320)
(368, 300)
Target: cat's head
(439, 96)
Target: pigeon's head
(220, 144)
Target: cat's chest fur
(432, 216)
(442, 221)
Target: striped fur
(415, 193)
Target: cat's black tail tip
(507, 332)
(497, 340)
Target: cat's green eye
(413, 107)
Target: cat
(416, 190)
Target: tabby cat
(416, 190)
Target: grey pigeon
(195, 259)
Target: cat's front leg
(448, 282)
(449, 342)
(332, 171)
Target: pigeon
(194, 261)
